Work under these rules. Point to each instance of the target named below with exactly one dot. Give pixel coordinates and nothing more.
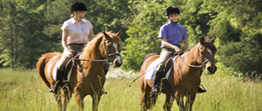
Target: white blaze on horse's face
(209, 51)
(118, 56)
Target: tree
(143, 33)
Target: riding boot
(105, 71)
(58, 82)
(200, 90)
(103, 90)
(156, 83)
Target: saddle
(71, 65)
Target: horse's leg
(65, 96)
(169, 102)
(189, 102)
(96, 98)
(180, 102)
(58, 101)
(143, 99)
(79, 99)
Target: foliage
(238, 26)
(143, 33)
(30, 28)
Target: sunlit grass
(23, 90)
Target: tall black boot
(103, 90)
(58, 82)
(105, 71)
(200, 90)
(156, 83)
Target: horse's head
(207, 53)
(112, 43)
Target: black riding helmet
(172, 10)
(78, 7)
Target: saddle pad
(150, 71)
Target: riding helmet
(172, 10)
(78, 7)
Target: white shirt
(78, 31)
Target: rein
(96, 60)
(197, 66)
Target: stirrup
(55, 87)
(155, 91)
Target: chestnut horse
(184, 79)
(88, 76)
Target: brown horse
(88, 76)
(184, 79)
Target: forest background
(30, 28)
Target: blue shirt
(173, 32)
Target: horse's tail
(41, 63)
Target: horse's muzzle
(117, 63)
(211, 69)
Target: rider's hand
(69, 54)
(179, 52)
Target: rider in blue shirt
(171, 35)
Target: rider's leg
(60, 72)
(200, 90)
(106, 67)
(159, 74)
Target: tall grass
(23, 90)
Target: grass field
(23, 90)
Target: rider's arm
(91, 34)
(186, 44)
(168, 45)
(64, 41)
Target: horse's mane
(90, 50)
(206, 39)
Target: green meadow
(23, 90)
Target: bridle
(111, 54)
(203, 62)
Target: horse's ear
(202, 40)
(213, 39)
(105, 34)
(119, 33)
